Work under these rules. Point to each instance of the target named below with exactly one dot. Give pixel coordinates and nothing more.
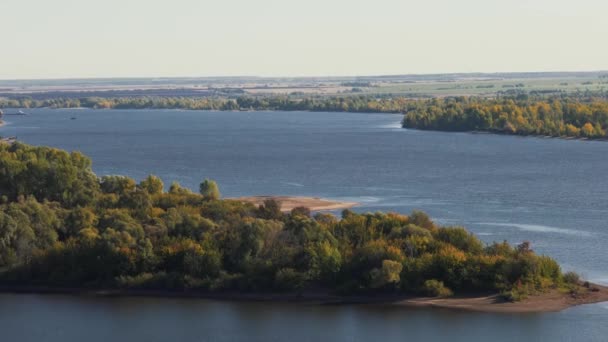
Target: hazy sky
(107, 38)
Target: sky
(198, 38)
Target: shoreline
(221, 110)
(552, 301)
(537, 136)
(499, 133)
(289, 202)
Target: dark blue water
(551, 192)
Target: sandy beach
(551, 301)
(290, 202)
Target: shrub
(421, 219)
(209, 190)
(302, 211)
(514, 295)
(160, 280)
(289, 279)
(387, 275)
(571, 278)
(460, 238)
(435, 288)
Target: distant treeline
(286, 103)
(566, 115)
(62, 226)
(557, 116)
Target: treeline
(557, 117)
(62, 226)
(287, 103)
(573, 115)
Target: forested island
(556, 117)
(62, 227)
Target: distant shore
(290, 202)
(552, 301)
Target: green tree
(209, 190)
(152, 184)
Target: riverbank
(552, 301)
(289, 202)
(538, 136)
(496, 132)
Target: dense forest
(557, 117)
(62, 226)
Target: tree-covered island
(557, 117)
(61, 226)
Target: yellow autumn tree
(572, 131)
(587, 130)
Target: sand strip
(290, 202)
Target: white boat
(19, 112)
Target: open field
(438, 85)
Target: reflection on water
(66, 318)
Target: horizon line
(304, 77)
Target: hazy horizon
(298, 76)
(68, 39)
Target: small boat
(73, 118)
(19, 112)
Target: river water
(551, 192)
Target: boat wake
(299, 185)
(396, 125)
(538, 228)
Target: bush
(576, 291)
(435, 288)
(421, 219)
(287, 279)
(160, 280)
(460, 238)
(209, 190)
(514, 295)
(387, 275)
(571, 278)
(302, 211)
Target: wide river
(551, 192)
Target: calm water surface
(548, 191)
